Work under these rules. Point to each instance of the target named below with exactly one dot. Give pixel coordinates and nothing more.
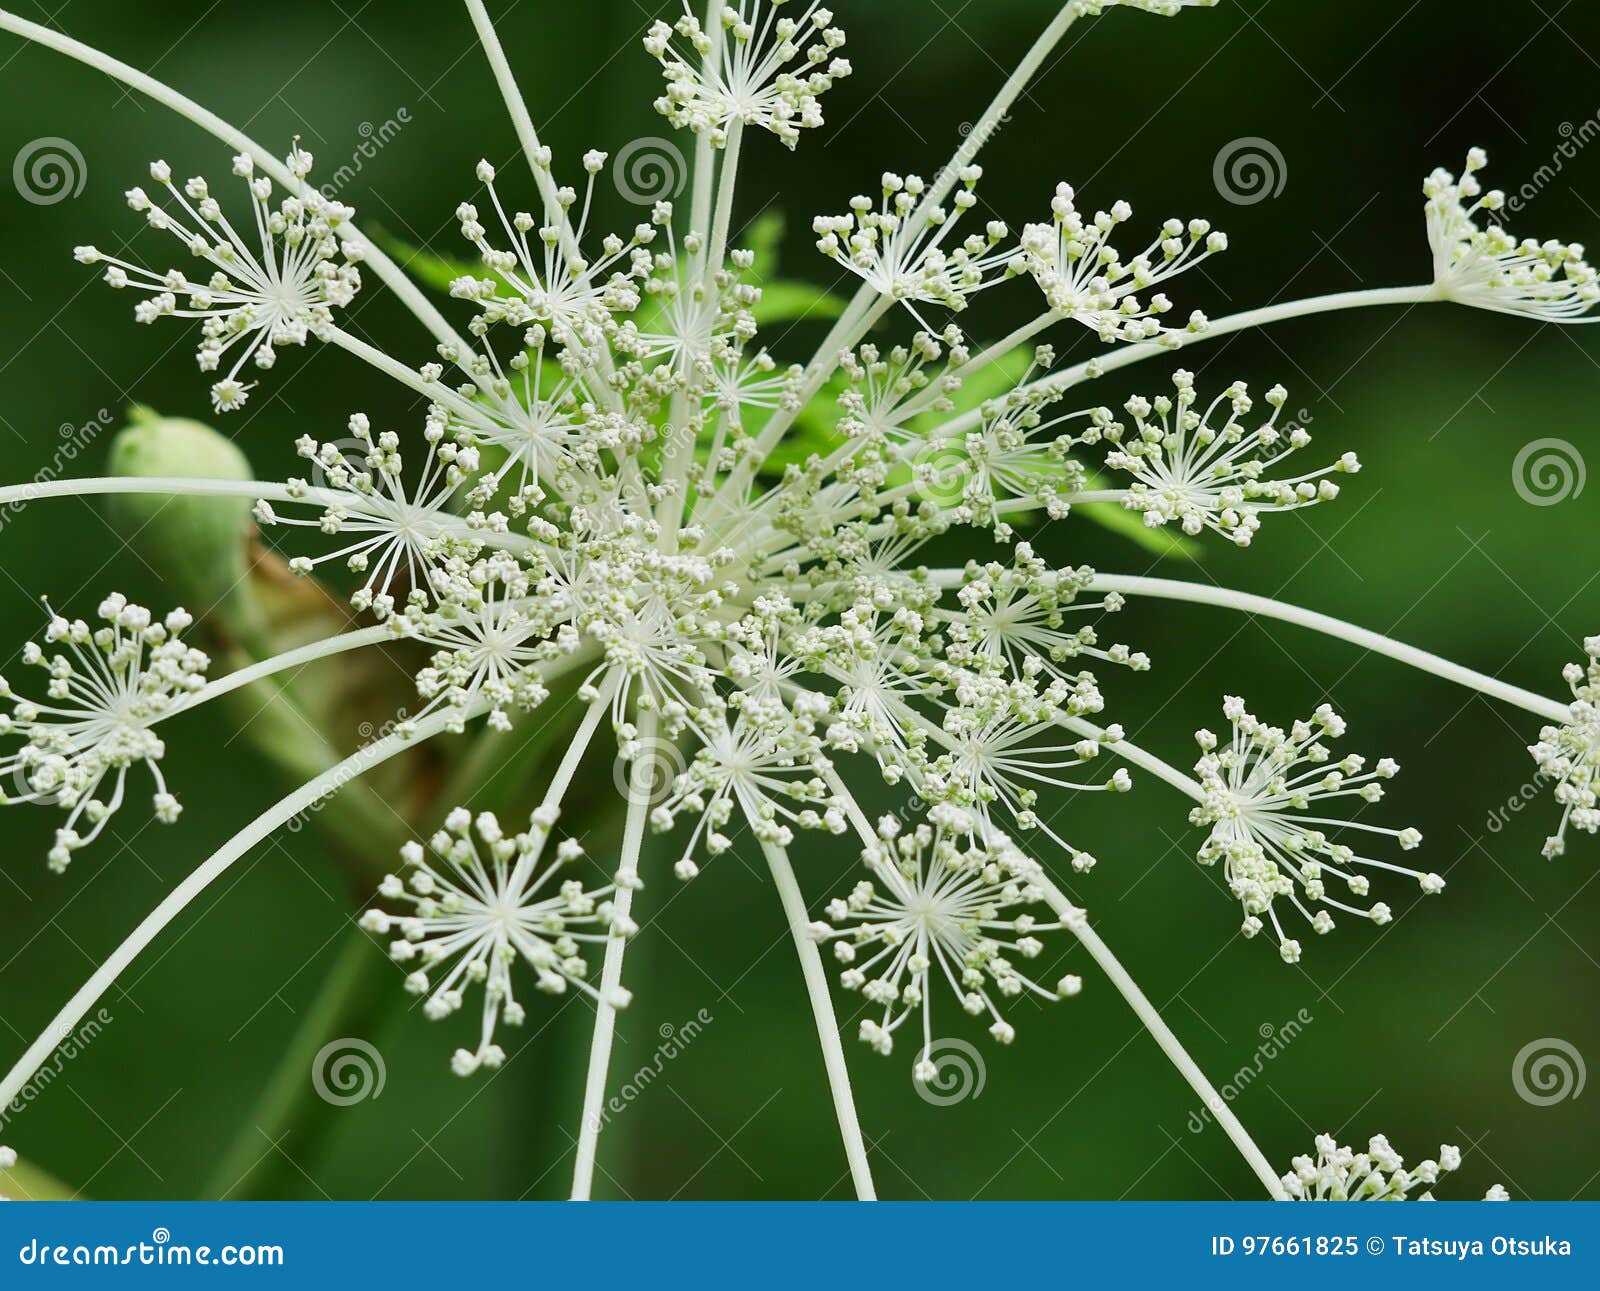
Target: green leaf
(763, 238)
(796, 302)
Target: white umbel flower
(1569, 755)
(1341, 1174)
(768, 67)
(764, 766)
(543, 275)
(487, 902)
(1085, 278)
(1259, 789)
(108, 688)
(1206, 470)
(488, 647)
(398, 532)
(276, 283)
(1485, 267)
(940, 906)
(911, 254)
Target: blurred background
(1413, 1030)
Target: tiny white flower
(1339, 1173)
(1084, 277)
(483, 904)
(941, 909)
(1568, 756)
(1484, 266)
(108, 687)
(1260, 789)
(274, 280)
(768, 66)
(1205, 470)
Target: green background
(1415, 1027)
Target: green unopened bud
(198, 544)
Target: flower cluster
(1341, 1174)
(1085, 278)
(488, 902)
(108, 687)
(1486, 267)
(898, 246)
(1258, 790)
(940, 906)
(1569, 755)
(1204, 471)
(277, 285)
(616, 492)
(744, 72)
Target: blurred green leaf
(796, 302)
